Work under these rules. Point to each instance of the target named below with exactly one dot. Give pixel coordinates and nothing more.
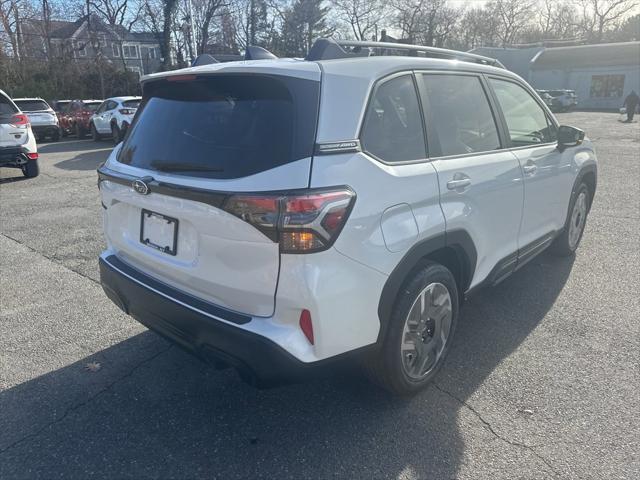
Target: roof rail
(328, 49)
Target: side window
(392, 129)
(460, 114)
(111, 105)
(102, 108)
(527, 122)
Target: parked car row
(25, 121)
(559, 100)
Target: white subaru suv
(113, 118)
(279, 215)
(18, 147)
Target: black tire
(115, 134)
(80, 133)
(94, 134)
(31, 169)
(385, 366)
(566, 244)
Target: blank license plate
(159, 231)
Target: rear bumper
(208, 331)
(13, 156)
(45, 129)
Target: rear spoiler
(252, 52)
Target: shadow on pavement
(17, 178)
(73, 145)
(90, 160)
(153, 411)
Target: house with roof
(602, 75)
(89, 39)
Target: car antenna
(203, 59)
(254, 52)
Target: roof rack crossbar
(328, 49)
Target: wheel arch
(454, 250)
(588, 174)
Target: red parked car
(74, 119)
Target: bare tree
(602, 15)
(362, 16)
(512, 17)
(10, 21)
(159, 17)
(426, 22)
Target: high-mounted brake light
(180, 78)
(301, 223)
(19, 120)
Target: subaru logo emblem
(140, 185)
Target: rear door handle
(458, 183)
(530, 168)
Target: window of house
(607, 86)
(152, 53)
(130, 51)
(460, 114)
(82, 51)
(527, 122)
(115, 49)
(392, 129)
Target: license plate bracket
(159, 232)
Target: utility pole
(193, 49)
(95, 46)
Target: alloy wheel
(578, 219)
(426, 330)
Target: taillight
(307, 326)
(19, 120)
(300, 223)
(127, 111)
(32, 156)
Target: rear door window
(392, 130)
(460, 116)
(527, 122)
(6, 107)
(223, 126)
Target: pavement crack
(52, 259)
(90, 399)
(490, 428)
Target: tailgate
(194, 145)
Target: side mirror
(569, 137)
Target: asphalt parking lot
(542, 380)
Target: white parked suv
(113, 118)
(282, 214)
(44, 121)
(18, 147)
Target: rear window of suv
(31, 105)
(131, 103)
(223, 126)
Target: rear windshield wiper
(184, 167)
